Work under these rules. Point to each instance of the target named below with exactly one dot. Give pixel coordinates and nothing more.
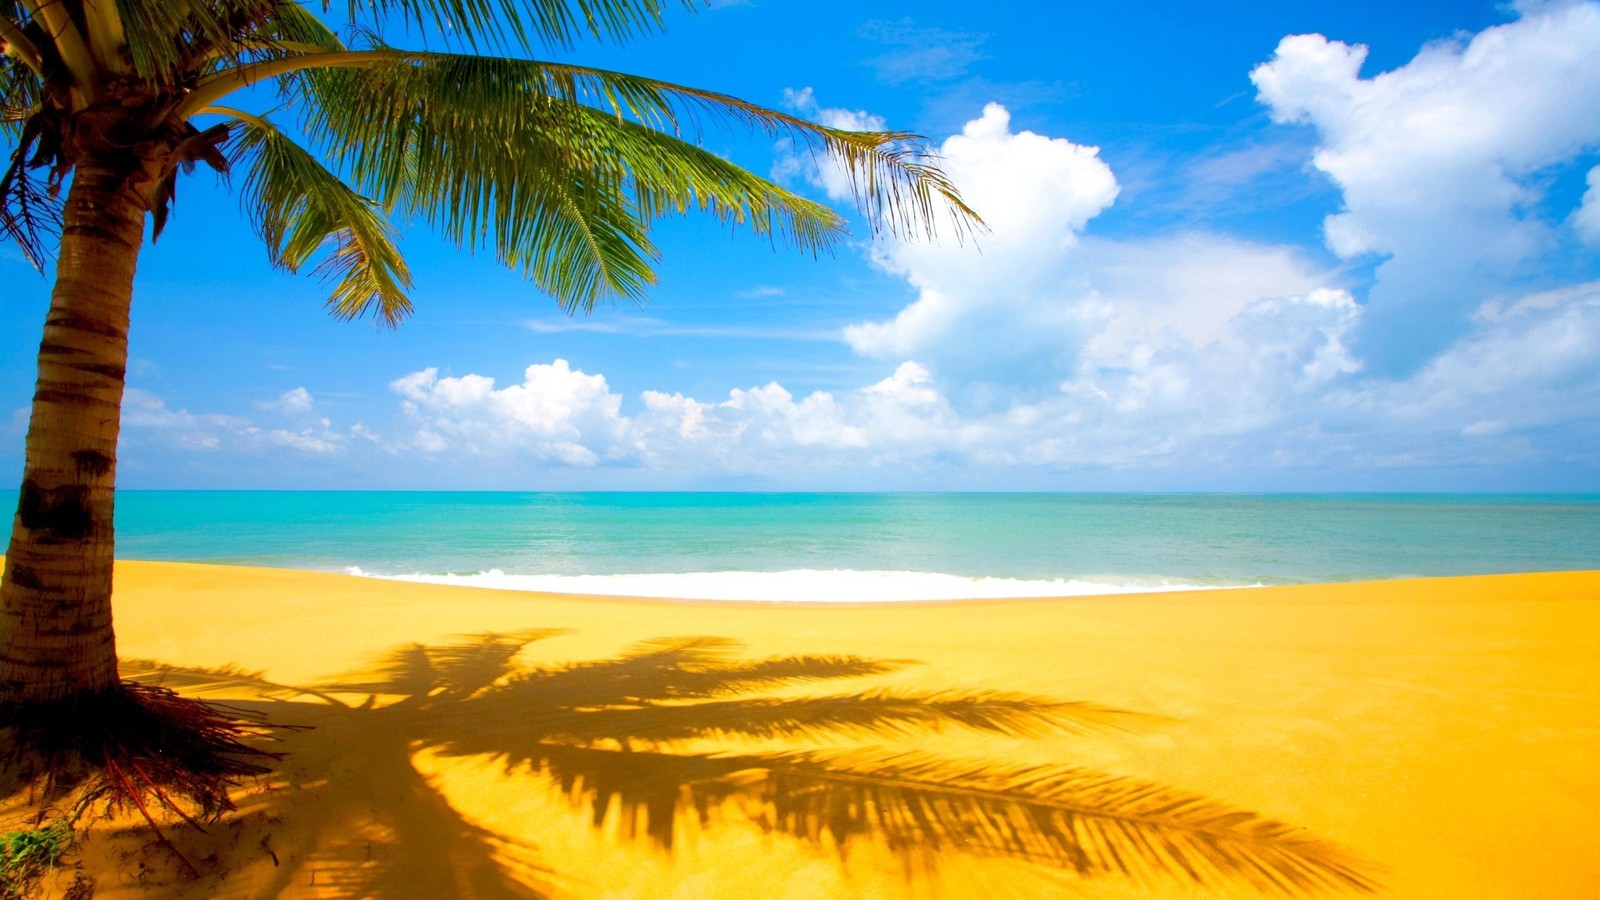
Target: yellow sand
(1445, 732)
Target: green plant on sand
(27, 854)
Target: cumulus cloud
(1036, 194)
(1528, 364)
(1438, 160)
(1050, 346)
(902, 416)
(309, 440)
(291, 403)
(1039, 301)
(1279, 389)
(555, 413)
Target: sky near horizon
(1231, 246)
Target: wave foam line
(800, 585)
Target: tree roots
(135, 746)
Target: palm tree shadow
(626, 735)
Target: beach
(1432, 738)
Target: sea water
(863, 546)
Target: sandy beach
(1432, 738)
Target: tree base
(135, 745)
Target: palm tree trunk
(56, 640)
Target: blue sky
(1233, 246)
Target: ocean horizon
(863, 546)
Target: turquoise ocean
(857, 546)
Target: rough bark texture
(56, 640)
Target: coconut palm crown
(334, 135)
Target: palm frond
(295, 23)
(890, 172)
(561, 169)
(672, 176)
(21, 50)
(30, 208)
(165, 39)
(301, 209)
(19, 97)
(431, 142)
(490, 23)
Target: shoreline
(1440, 731)
(802, 585)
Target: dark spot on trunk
(115, 373)
(80, 323)
(76, 627)
(25, 576)
(61, 512)
(51, 348)
(92, 462)
(35, 663)
(70, 398)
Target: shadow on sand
(634, 740)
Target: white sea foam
(836, 586)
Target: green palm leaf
(30, 211)
(19, 97)
(301, 209)
(207, 26)
(493, 22)
(561, 169)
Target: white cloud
(1036, 194)
(768, 430)
(1038, 302)
(1275, 388)
(1529, 365)
(147, 421)
(291, 403)
(555, 413)
(1438, 160)
(309, 440)
(1587, 219)
(144, 411)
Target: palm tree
(559, 169)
